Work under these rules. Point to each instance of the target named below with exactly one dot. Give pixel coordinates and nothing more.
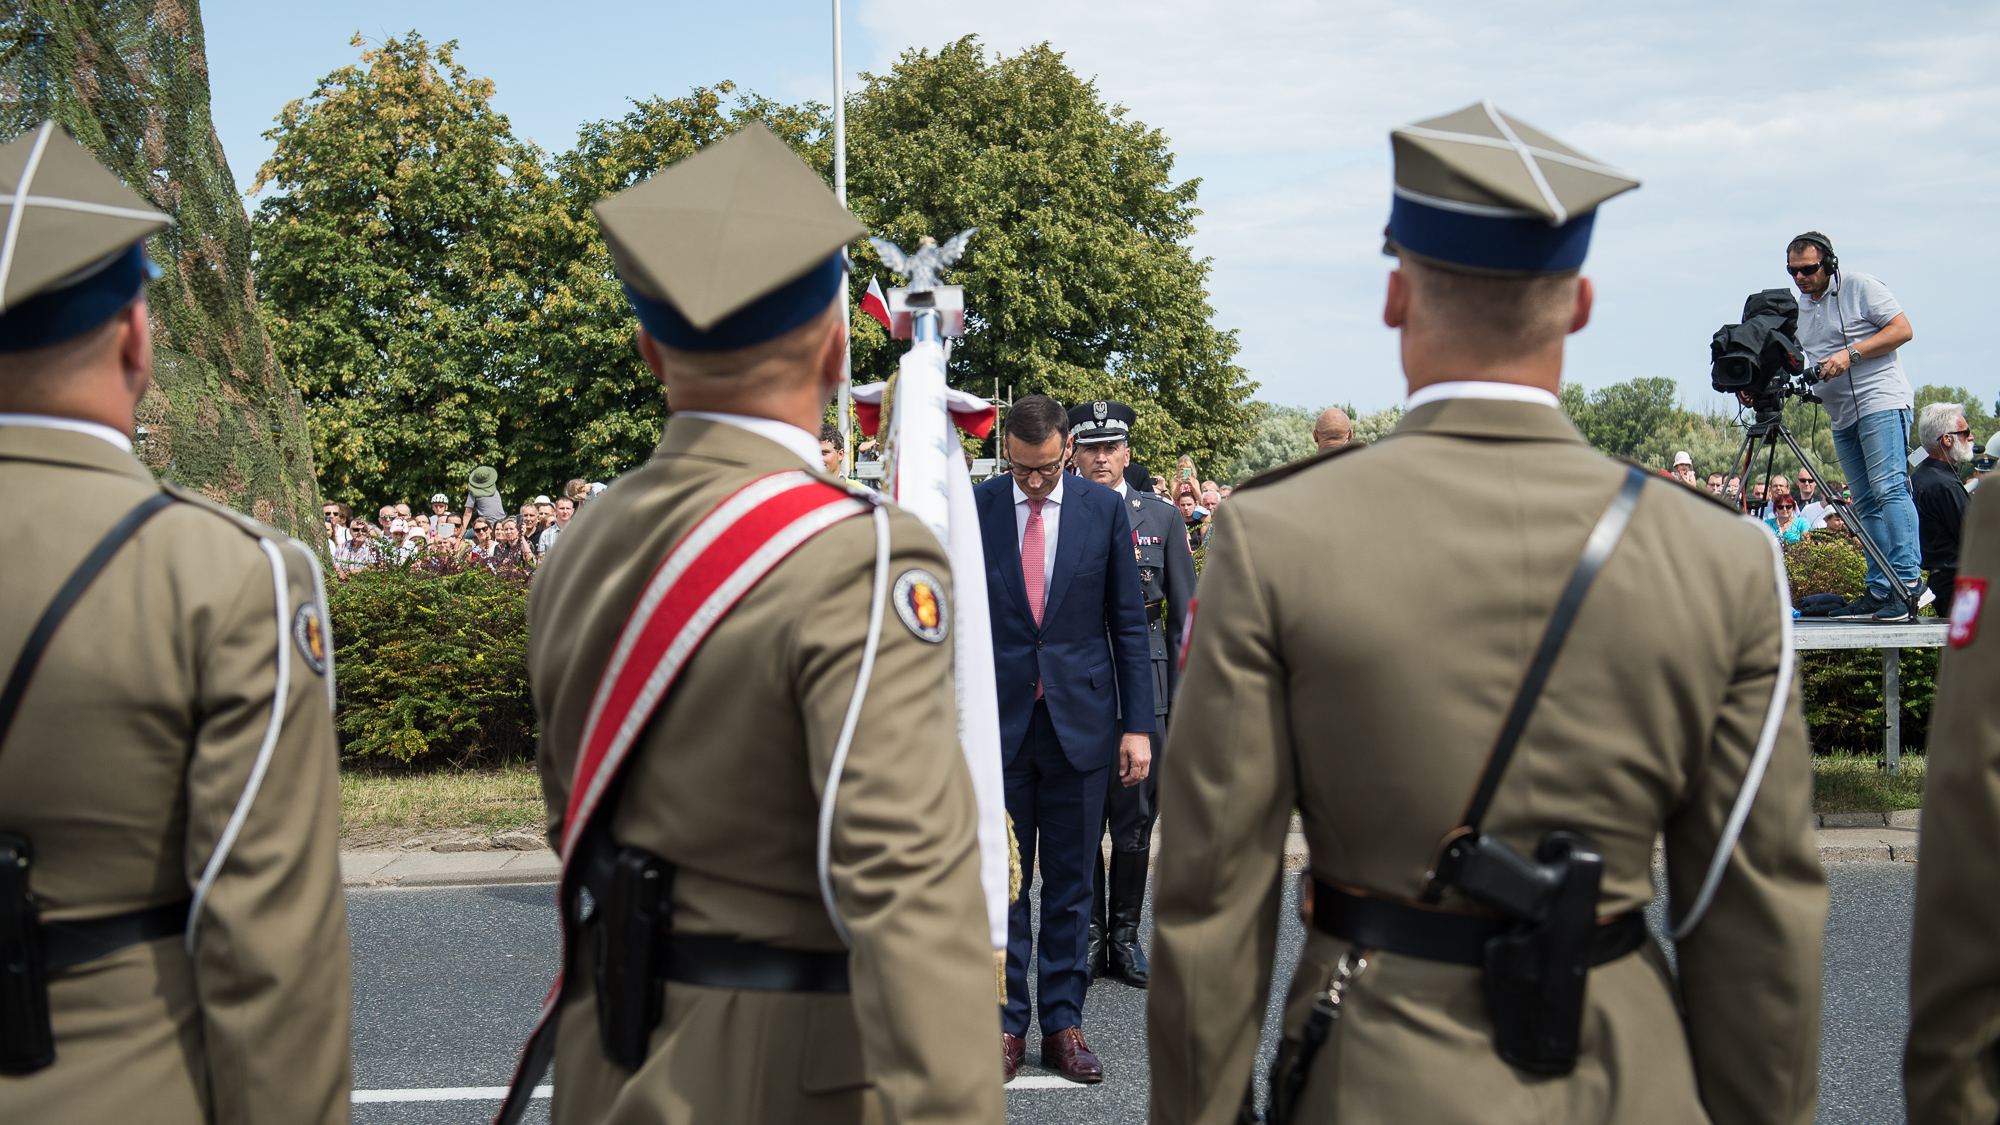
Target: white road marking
(444, 1094)
(495, 1093)
(1043, 1082)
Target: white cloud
(1748, 124)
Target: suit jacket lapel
(996, 528)
(1069, 549)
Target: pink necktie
(1031, 560)
(1031, 569)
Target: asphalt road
(447, 983)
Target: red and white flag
(874, 304)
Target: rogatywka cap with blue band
(1479, 191)
(735, 245)
(71, 241)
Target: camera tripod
(1768, 429)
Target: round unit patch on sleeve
(310, 637)
(919, 599)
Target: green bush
(433, 664)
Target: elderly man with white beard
(1940, 496)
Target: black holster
(1534, 970)
(632, 907)
(27, 1042)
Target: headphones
(1827, 255)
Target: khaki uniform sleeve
(1951, 1068)
(1750, 973)
(1225, 800)
(905, 855)
(271, 964)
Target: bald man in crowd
(1332, 428)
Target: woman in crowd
(1785, 519)
(507, 549)
(358, 549)
(480, 542)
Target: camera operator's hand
(1835, 365)
(1744, 398)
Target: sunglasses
(1958, 433)
(1805, 271)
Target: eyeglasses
(1804, 271)
(1958, 433)
(1023, 472)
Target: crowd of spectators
(481, 530)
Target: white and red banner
(876, 305)
(927, 477)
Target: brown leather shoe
(1066, 1053)
(1013, 1050)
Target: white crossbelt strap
(281, 591)
(876, 604)
(1767, 741)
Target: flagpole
(840, 192)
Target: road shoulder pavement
(1843, 838)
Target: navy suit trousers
(1058, 813)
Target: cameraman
(1851, 325)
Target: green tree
(1372, 428)
(1619, 419)
(391, 267)
(585, 403)
(1079, 283)
(1282, 434)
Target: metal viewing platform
(1929, 632)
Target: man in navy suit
(1075, 684)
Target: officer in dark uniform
(1166, 574)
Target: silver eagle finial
(925, 268)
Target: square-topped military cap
(737, 244)
(1482, 191)
(70, 236)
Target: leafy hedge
(1843, 687)
(433, 664)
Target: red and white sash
(694, 587)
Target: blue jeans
(1872, 454)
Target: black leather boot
(1127, 961)
(1093, 960)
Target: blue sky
(1748, 124)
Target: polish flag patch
(1967, 599)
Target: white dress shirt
(784, 433)
(1051, 521)
(74, 425)
(1505, 392)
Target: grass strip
(1847, 783)
(376, 806)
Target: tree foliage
(391, 266)
(1283, 434)
(1079, 284)
(448, 297)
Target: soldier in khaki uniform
(167, 758)
(1374, 713)
(1951, 1068)
(733, 260)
